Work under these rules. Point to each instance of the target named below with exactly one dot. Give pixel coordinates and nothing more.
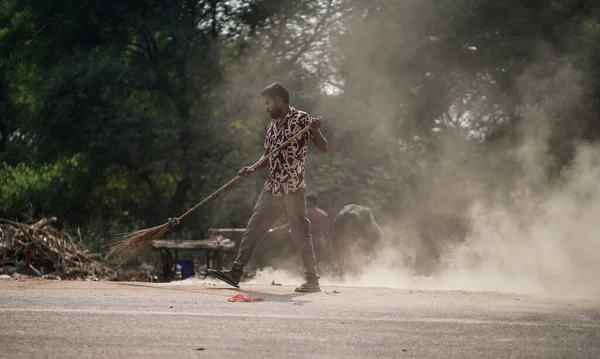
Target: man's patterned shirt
(286, 168)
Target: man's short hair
(276, 89)
(311, 198)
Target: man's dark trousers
(267, 211)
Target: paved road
(54, 319)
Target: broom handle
(251, 169)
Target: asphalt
(66, 319)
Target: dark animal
(355, 236)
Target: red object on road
(242, 298)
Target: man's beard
(275, 113)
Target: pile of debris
(42, 250)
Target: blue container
(187, 268)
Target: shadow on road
(272, 297)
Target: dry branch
(50, 245)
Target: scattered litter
(242, 298)
(19, 276)
(4, 276)
(51, 276)
(276, 284)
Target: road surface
(68, 319)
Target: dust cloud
(547, 245)
(522, 231)
(479, 215)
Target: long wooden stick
(236, 178)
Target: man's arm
(246, 170)
(265, 163)
(320, 140)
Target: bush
(31, 191)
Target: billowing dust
(491, 215)
(522, 232)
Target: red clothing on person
(319, 225)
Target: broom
(130, 245)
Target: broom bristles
(131, 244)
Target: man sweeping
(284, 191)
